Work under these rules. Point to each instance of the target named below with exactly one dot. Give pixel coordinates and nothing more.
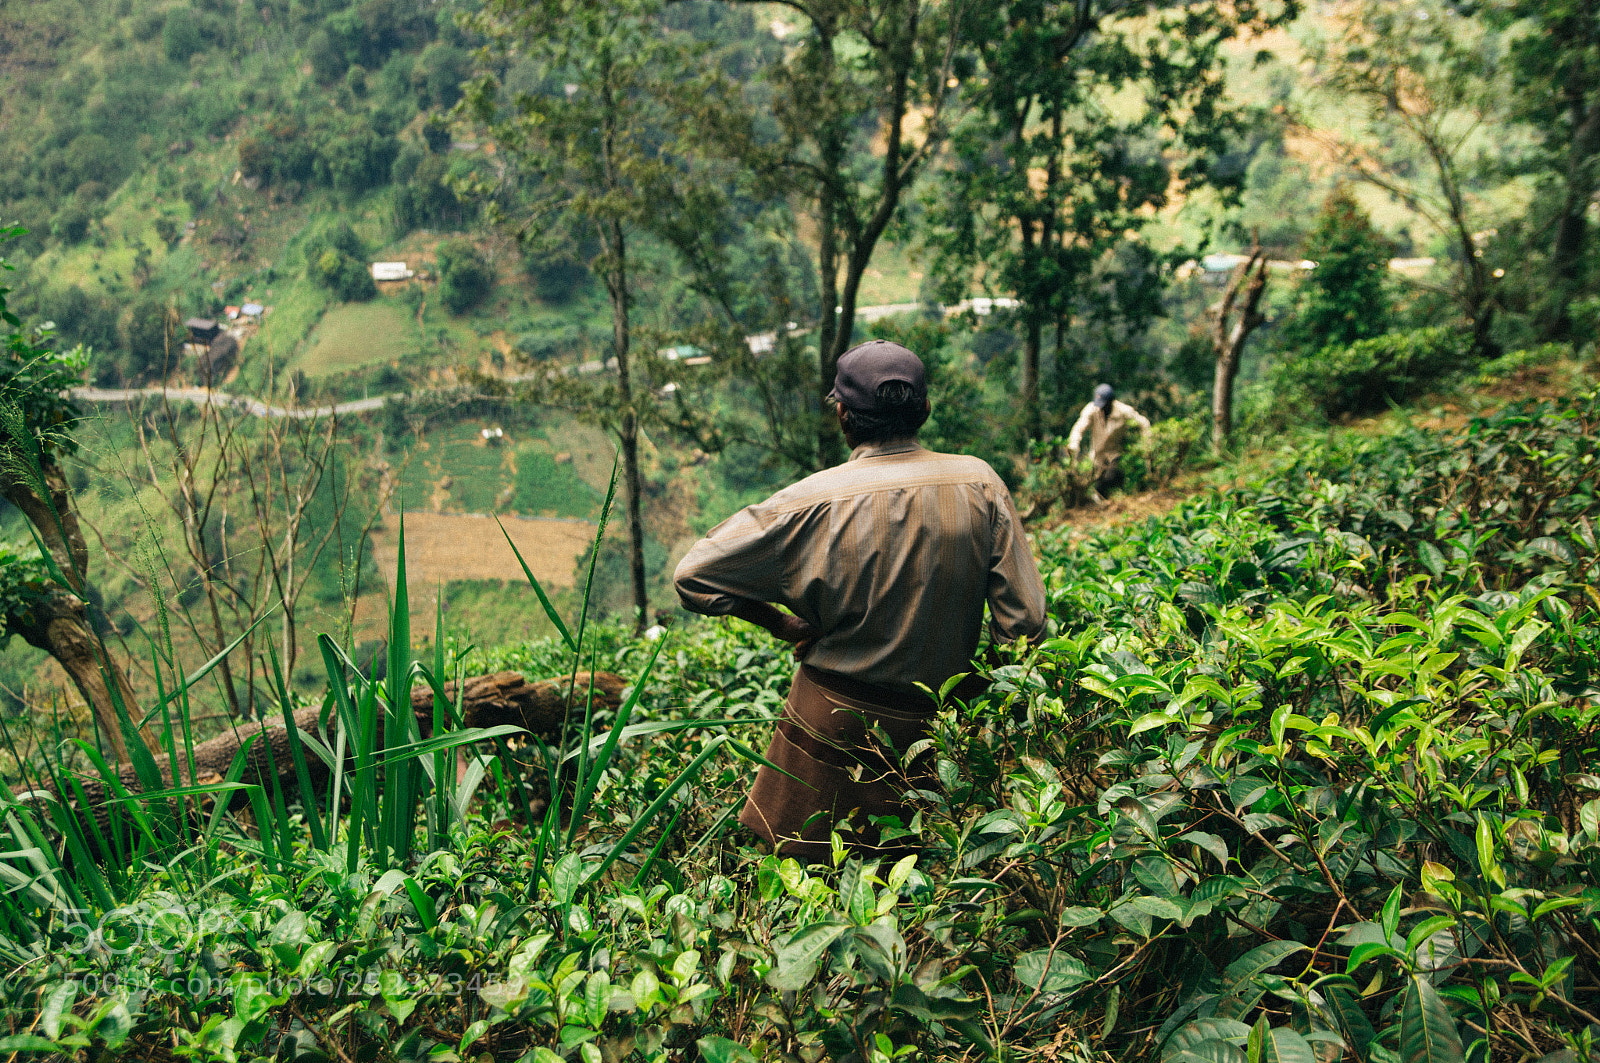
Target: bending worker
(885, 564)
(1106, 419)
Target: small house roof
(200, 324)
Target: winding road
(227, 401)
(223, 400)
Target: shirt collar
(879, 450)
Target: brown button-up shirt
(890, 556)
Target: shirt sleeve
(740, 558)
(1076, 438)
(1137, 418)
(1016, 593)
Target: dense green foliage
(1363, 376)
(465, 279)
(336, 259)
(1345, 297)
(1304, 770)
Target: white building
(391, 271)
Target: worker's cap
(866, 366)
(1103, 396)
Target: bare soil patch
(1120, 510)
(441, 547)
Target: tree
(180, 35)
(336, 259)
(149, 338)
(1048, 181)
(591, 144)
(1425, 81)
(1346, 297)
(465, 279)
(1554, 60)
(859, 104)
(1232, 321)
(45, 593)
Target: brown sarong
(844, 741)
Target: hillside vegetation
(384, 740)
(1304, 772)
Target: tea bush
(1304, 772)
(1370, 373)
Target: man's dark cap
(867, 365)
(1103, 396)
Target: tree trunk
(1032, 414)
(830, 322)
(838, 328)
(55, 518)
(1032, 420)
(1229, 335)
(615, 243)
(58, 623)
(487, 701)
(1572, 228)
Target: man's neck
(903, 443)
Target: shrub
(465, 279)
(554, 343)
(438, 74)
(1157, 455)
(1370, 373)
(71, 224)
(436, 131)
(1509, 365)
(557, 279)
(337, 260)
(151, 338)
(327, 61)
(1346, 297)
(180, 35)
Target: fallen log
(502, 698)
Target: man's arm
(1082, 425)
(1016, 592)
(736, 570)
(1137, 418)
(781, 625)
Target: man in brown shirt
(885, 563)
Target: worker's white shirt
(1106, 431)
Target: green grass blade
(687, 775)
(581, 795)
(633, 730)
(139, 755)
(449, 740)
(235, 773)
(590, 781)
(205, 669)
(398, 810)
(544, 599)
(302, 774)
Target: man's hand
(791, 628)
(781, 625)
